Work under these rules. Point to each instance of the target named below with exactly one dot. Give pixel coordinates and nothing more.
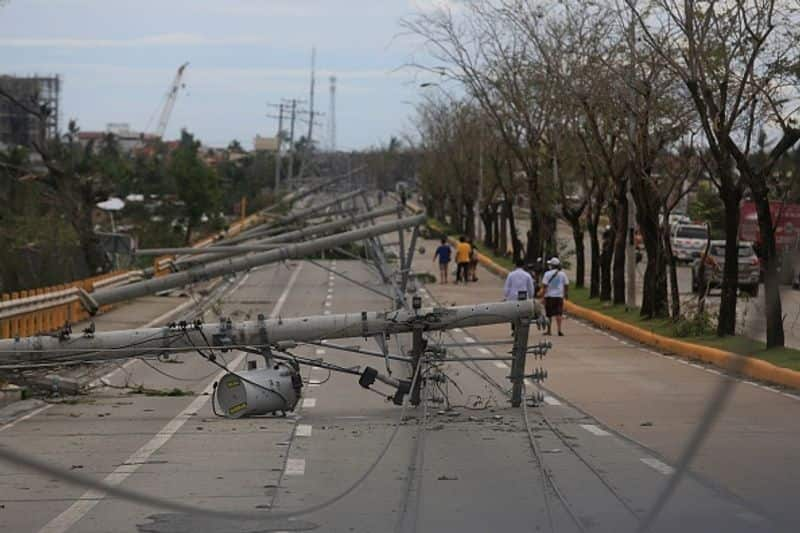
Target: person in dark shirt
(443, 252)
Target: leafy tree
(198, 185)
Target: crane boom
(172, 95)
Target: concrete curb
(747, 366)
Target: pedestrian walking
(463, 250)
(555, 284)
(518, 280)
(473, 261)
(443, 252)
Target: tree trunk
(675, 298)
(620, 234)
(726, 323)
(516, 245)
(533, 248)
(605, 265)
(772, 295)
(503, 240)
(488, 218)
(580, 253)
(594, 247)
(654, 289)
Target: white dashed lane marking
(499, 364)
(549, 400)
(309, 402)
(326, 312)
(469, 340)
(484, 351)
(295, 467)
(658, 466)
(594, 430)
(320, 351)
(303, 430)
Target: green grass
(784, 357)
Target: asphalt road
(593, 457)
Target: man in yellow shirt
(463, 250)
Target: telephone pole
(278, 142)
(332, 116)
(291, 141)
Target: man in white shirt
(556, 284)
(516, 281)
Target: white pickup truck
(688, 241)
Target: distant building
(29, 109)
(265, 144)
(127, 139)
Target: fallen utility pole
(262, 332)
(284, 221)
(95, 300)
(272, 242)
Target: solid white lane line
(484, 351)
(319, 351)
(469, 340)
(303, 430)
(91, 498)
(285, 294)
(594, 430)
(295, 467)
(309, 403)
(25, 417)
(658, 466)
(549, 400)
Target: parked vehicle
(785, 219)
(688, 241)
(749, 268)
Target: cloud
(163, 39)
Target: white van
(688, 241)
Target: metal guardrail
(48, 309)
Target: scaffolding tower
(29, 109)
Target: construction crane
(172, 95)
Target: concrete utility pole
(332, 116)
(278, 142)
(290, 177)
(95, 300)
(269, 243)
(311, 96)
(135, 342)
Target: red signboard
(785, 219)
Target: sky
(117, 59)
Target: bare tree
(737, 61)
(499, 68)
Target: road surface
(593, 457)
